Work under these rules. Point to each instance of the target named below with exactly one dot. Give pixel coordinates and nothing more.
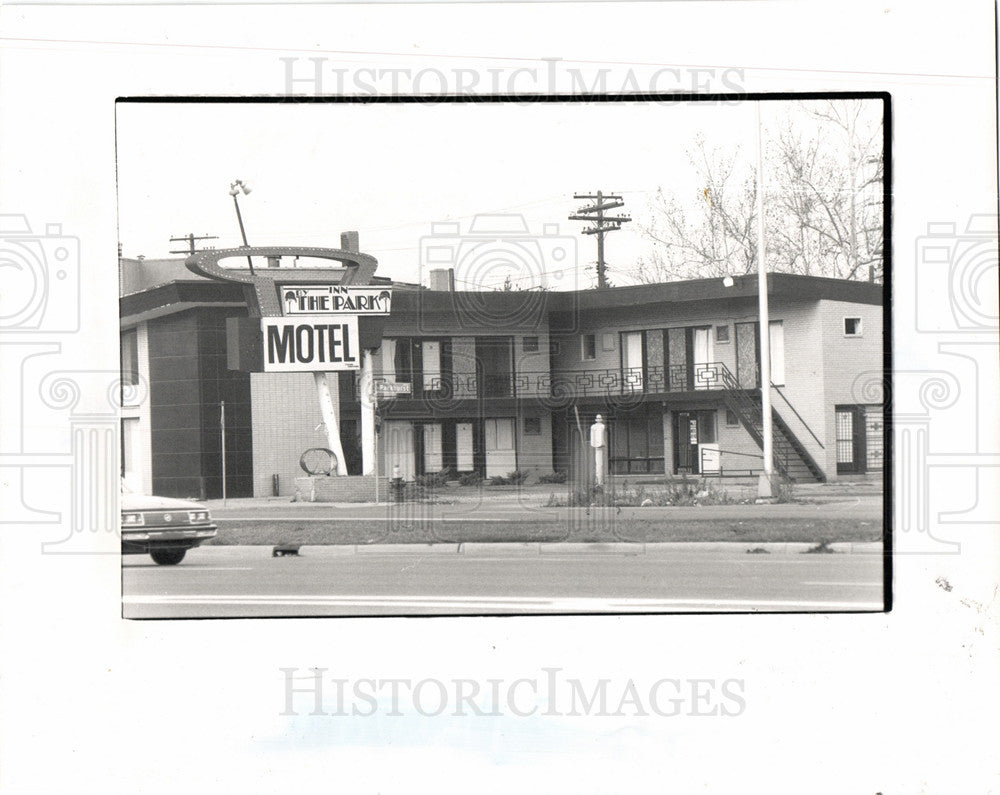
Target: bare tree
(823, 203)
(832, 196)
(713, 234)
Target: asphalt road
(479, 579)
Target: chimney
(443, 279)
(349, 242)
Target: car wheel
(167, 557)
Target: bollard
(397, 486)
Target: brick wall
(285, 415)
(849, 363)
(743, 452)
(804, 376)
(354, 488)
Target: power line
(190, 239)
(602, 224)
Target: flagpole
(764, 484)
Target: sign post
(222, 427)
(375, 451)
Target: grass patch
(596, 525)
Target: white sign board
(392, 388)
(709, 457)
(310, 343)
(331, 299)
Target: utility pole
(602, 224)
(190, 240)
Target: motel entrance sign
(313, 320)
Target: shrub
(515, 478)
(470, 479)
(783, 490)
(552, 477)
(433, 479)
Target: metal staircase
(791, 458)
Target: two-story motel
(494, 381)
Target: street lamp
(234, 190)
(765, 488)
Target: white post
(331, 419)
(597, 436)
(222, 426)
(368, 402)
(764, 485)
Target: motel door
(686, 442)
(399, 449)
(695, 442)
(464, 459)
(499, 442)
(851, 441)
(433, 450)
(702, 357)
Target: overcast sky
(391, 170)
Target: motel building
(492, 382)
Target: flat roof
(780, 285)
(408, 299)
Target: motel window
(403, 361)
(852, 326)
(607, 342)
(532, 426)
(130, 357)
(722, 333)
(588, 347)
(732, 418)
(636, 444)
(530, 344)
(706, 427)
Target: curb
(541, 549)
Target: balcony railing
(566, 384)
(462, 386)
(639, 380)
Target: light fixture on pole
(234, 190)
